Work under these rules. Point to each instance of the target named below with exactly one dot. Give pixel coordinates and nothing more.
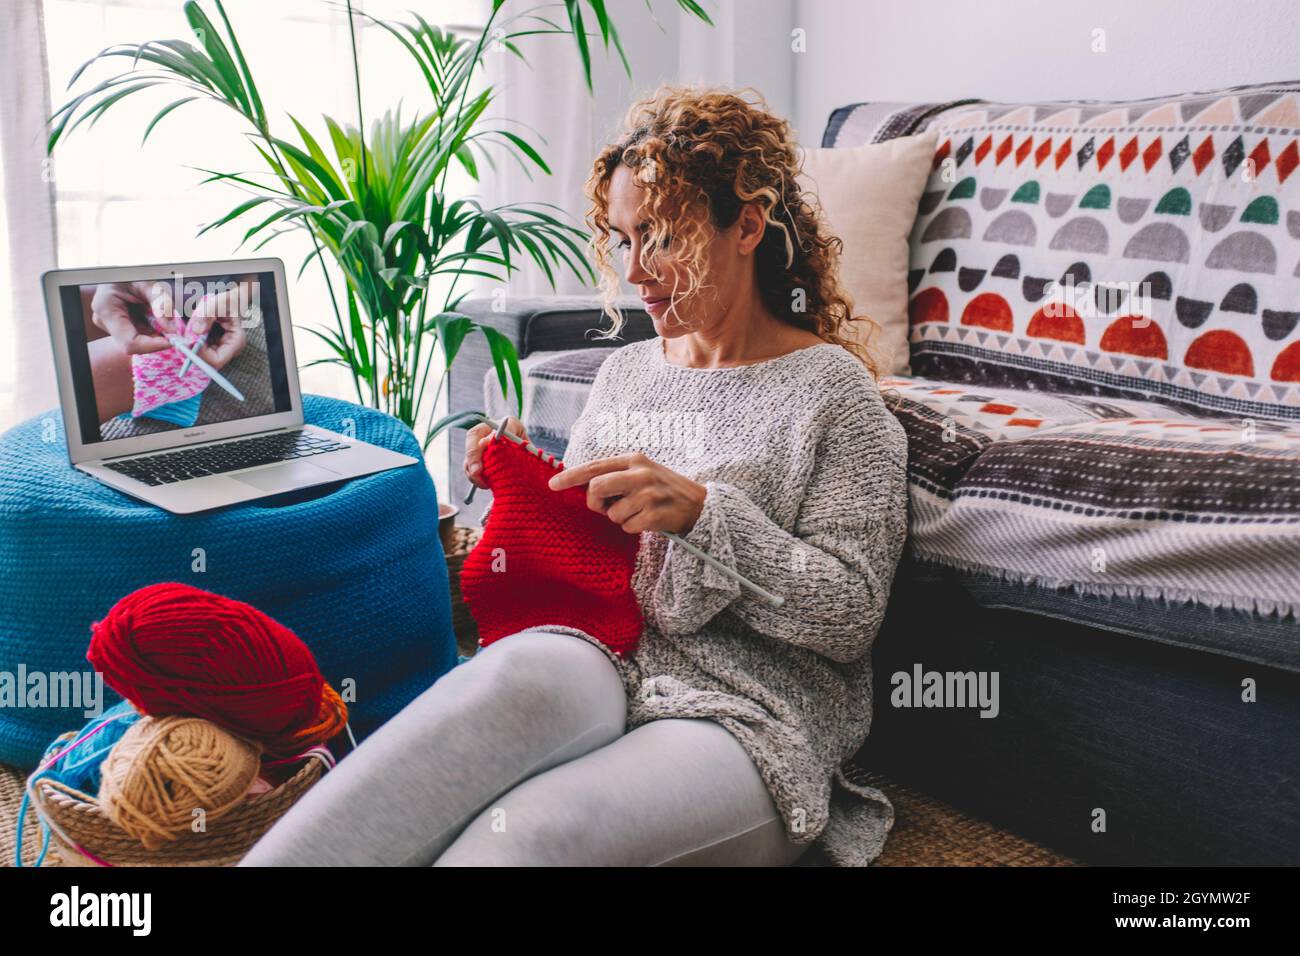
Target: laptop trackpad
(286, 477)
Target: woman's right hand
(122, 309)
(475, 441)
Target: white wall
(748, 45)
(930, 50)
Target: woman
(752, 426)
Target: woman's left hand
(637, 493)
(221, 309)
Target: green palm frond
(374, 202)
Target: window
(119, 203)
(8, 329)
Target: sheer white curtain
(116, 202)
(749, 44)
(567, 123)
(548, 94)
(27, 230)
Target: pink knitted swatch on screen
(157, 382)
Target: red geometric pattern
(1203, 246)
(1287, 161)
(1063, 153)
(1261, 157)
(1203, 155)
(1004, 150)
(1128, 153)
(1151, 154)
(1104, 154)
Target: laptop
(178, 385)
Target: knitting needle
(500, 430)
(773, 599)
(185, 366)
(166, 333)
(179, 344)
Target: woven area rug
(926, 833)
(11, 798)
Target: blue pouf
(355, 568)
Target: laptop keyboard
(229, 456)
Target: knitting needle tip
(500, 430)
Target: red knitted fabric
(559, 562)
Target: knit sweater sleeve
(835, 568)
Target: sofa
(1103, 416)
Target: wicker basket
(463, 541)
(225, 842)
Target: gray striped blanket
(1108, 497)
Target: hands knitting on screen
(123, 310)
(219, 311)
(637, 493)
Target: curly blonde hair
(701, 154)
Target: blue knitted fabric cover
(355, 568)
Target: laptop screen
(166, 352)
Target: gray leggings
(518, 757)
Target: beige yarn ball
(164, 768)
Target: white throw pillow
(870, 195)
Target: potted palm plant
(374, 201)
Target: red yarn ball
(176, 649)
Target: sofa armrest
(551, 323)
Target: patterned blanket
(1144, 248)
(1109, 497)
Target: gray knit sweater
(807, 495)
